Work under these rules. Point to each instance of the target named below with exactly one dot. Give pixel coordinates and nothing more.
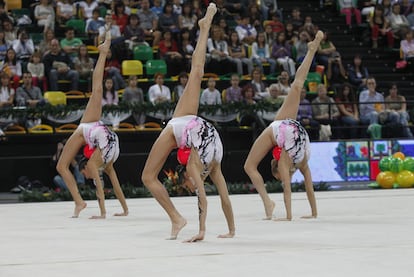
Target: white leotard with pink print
(96, 134)
(290, 135)
(193, 131)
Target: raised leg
(189, 101)
(93, 109)
(290, 106)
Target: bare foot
(176, 228)
(308, 216)
(122, 214)
(205, 22)
(282, 219)
(78, 209)
(313, 45)
(104, 47)
(97, 217)
(226, 236)
(269, 210)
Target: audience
(241, 29)
(210, 95)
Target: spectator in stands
(23, 46)
(134, 95)
(284, 83)
(380, 26)
(3, 46)
(110, 96)
(9, 32)
(282, 53)
(157, 7)
(186, 48)
(367, 7)
(4, 16)
(407, 48)
(58, 66)
(256, 16)
(301, 47)
(348, 108)
(349, 8)
(336, 73)
(116, 36)
(269, 35)
(168, 21)
(309, 26)
(134, 34)
(410, 17)
(246, 32)
(324, 110)
(44, 13)
(217, 48)
(325, 51)
(159, 93)
(65, 10)
(276, 96)
(27, 94)
(259, 87)
(177, 8)
(261, 53)
(296, 19)
(290, 33)
(396, 103)
(12, 67)
(248, 95)
(187, 19)
(275, 22)
(406, 6)
(119, 17)
(268, 7)
(179, 88)
(358, 73)
(149, 22)
(210, 95)
(45, 45)
(238, 54)
(371, 104)
(86, 8)
(113, 70)
(398, 22)
(168, 50)
(37, 69)
(233, 93)
(7, 93)
(387, 4)
(236, 6)
(71, 44)
(305, 117)
(93, 25)
(84, 65)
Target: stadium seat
(41, 129)
(78, 24)
(15, 130)
(143, 53)
(14, 4)
(132, 67)
(155, 66)
(55, 97)
(66, 128)
(312, 81)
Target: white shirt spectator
(157, 94)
